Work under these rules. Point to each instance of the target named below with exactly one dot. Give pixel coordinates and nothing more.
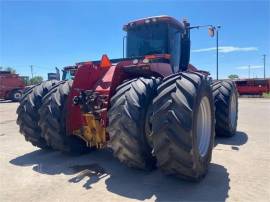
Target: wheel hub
(17, 95)
(204, 126)
(233, 111)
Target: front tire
(226, 104)
(127, 119)
(183, 126)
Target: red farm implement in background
(11, 86)
(253, 86)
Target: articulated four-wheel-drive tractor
(151, 107)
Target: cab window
(175, 44)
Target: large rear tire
(127, 118)
(226, 104)
(28, 116)
(53, 120)
(183, 126)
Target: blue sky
(59, 33)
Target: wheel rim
(233, 111)
(204, 126)
(17, 95)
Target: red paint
(253, 86)
(104, 84)
(162, 68)
(85, 78)
(156, 56)
(91, 76)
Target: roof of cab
(154, 19)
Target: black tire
(16, 95)
(53, 120)
(28, 116)
(127, 118)
(224, 93)
(174, 126)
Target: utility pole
(124, 39)
(212, 30)
(31, 66)
(217, 29)
(264, 57)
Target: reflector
(105, 62)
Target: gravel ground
(240, 168)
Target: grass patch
(266, 95)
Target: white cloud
(251, 67)
(227, 49)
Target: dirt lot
(240, 168)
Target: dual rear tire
(53, 114)
(127, 116)
(176, 132)
(183, 126)
(226, 103)
(28, 115)
(42, 114)
(169, 125)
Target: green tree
(233, 76)
(36, 80)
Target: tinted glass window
(174, 44)
(68, 74)
(260, 82)
(146, 40)
(241, 83)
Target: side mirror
(211, 31)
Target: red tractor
(11, 86)
(151, 107)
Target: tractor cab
(162, 35)
(69, 72)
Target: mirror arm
(200, 26)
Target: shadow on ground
(124, 181)
(240, 138)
